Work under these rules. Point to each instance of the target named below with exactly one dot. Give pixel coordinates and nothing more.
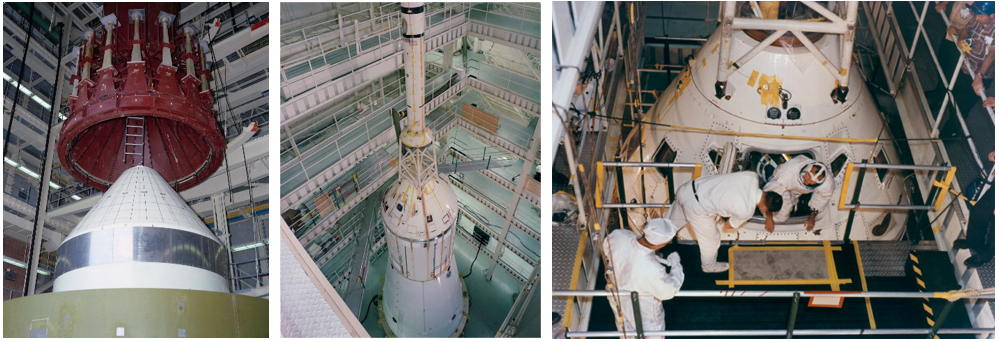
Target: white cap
(659, 231)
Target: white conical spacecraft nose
(141, 234)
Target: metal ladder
(135, 135)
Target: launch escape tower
(423, 295)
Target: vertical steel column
(222, 225)
(619, 174)
(794, 314)
(856, 197)
(41, 208)
(20, 78)
(640, 333)
(938, 323)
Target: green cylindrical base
(136, 313)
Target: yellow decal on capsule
(684, 81)
(769, 90)
(752, 78)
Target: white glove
(676, 269)
(673, 260)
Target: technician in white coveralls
(637, 268)
(798, 176)
(701, 201)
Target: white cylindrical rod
(136, 51)
(167, 58)
(109, 28)
(88, 53)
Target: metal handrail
(778, 332)
(789, 294)
(951, 296)
(936, 203)
(948, 98)
(600, 182)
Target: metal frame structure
(601, 165)
(951, 296)
(937, 203)
(836, 25)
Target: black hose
(368, 308)
(473, 262)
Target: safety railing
(962, 62)
(948, 101)
(340, 193)
(331, 33)
(620, 178)
(249, 280)
(337, 120)
(937, 203)
(310, 31)
(937, 328)
(521, 17)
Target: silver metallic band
(142, 244)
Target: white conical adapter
(141, 234)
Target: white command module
(785, 89)
(141, 234)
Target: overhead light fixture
(54, 185)
(27, 92)
(29, 172)
(249, 246)
(10, 162)
(76, 197)
(22, 265)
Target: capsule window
(837, 164)
(665, 154)
(398, 206)
(881, 158)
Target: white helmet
(807, 169)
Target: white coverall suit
(787, 182)
(732, 195)
(638, 269)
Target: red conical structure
(141, 97)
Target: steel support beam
(512, 208)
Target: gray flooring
(754, 264)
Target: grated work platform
(884, 258)
(565, 241)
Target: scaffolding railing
(937, 203)
(357, 109)
(601, 165)
(938, 321)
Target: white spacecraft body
(422, 295)
(141, 234)
(803, 76)
(423, 292)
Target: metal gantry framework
(938, 181)
(322, 152)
